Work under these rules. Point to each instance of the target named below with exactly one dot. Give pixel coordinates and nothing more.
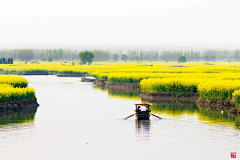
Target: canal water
(77, 120)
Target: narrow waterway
(76, 120)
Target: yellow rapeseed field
(14, 81)
(8, 93)
(214, 81)
(13, 88)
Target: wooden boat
(139, 115)
(88, 79)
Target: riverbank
(156, 97)
(40, 73)
(190, 97)
(18, 106)
(101, 83)
(228, 105)
(69, 75)
(123, 86)
(173, 97)
(163, 96)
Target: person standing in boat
(144, 109)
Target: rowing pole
(129, 116)
(156, 116)
(151, 114)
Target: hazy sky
(120, 24)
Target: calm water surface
(76, 120)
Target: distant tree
(60, 53)
(137, 58)
(115, 57)
(236, 55)
(182, 59)
(132, 54)
(152, 55)
(142, 55)
(100, 55)
(26, 54)
(3, 61)
(104, 55)
(49, 59)
(124, 57)
(86, 57)
(166, 55)
(10, 61)
(210, 55)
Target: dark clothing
(144, 112)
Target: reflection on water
(76, 121)
(20, 118)
(120, 93)
(180, 108)
(217, 117)
(203, 114)
(142, 129)
(100, 87)
(173, 108)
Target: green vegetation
(6, 61)
(124, 57)
(86, 57)
(115, 57)
(209, 55)
(182, 59)
(100, 55)
(49, 59)
(26, 54)
(72, 72)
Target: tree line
(130, 55)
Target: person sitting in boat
(138, 109)
(144, 109)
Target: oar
(129, 116)
(156, 116)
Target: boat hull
(142, 116)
